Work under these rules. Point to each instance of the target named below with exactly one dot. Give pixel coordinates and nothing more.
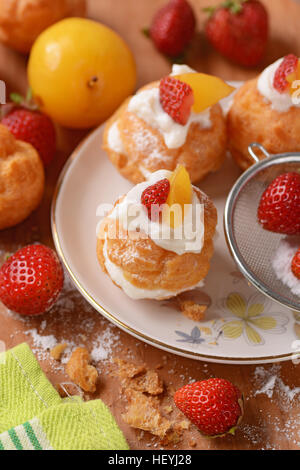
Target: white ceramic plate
(242, 325)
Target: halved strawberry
(288, 67)
(154, 197)
(176, 98)
(296, 264)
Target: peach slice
(208, 90)
(180, 194)
(292, 78)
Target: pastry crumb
(168, 409)
(127, 370)
(174, 434)
(148, 383)
(143, 413)
(182, 425)
(171, 438)
(58, 351)
(192, 310)
(192, 443)
(81, 372)
(146, 408)
(138, 378)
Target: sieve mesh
(252, 246)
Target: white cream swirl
(133, 216)
(280, 102)
(114, 139)
(146, 105)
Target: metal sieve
(252, 247)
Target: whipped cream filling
(133, 216)
(280, 102)
(117, 275)
(114, 139)
(146, 105)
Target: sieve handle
(254, 146)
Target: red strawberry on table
(173, 27)
(176, 98)
(154, 197)
(35, 128)
(31, 280)
(296, 265)
(239, 30)
(215, 406)
(279, 208)
(288, 66)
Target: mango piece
(292, 78)
(181, 192)
(208, 90)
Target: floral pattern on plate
(251, 318)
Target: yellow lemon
(80, 71)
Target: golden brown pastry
(21, 179)
(150, 270)
(81, 372)
(203, 152)
(22, 21)
(140, 138)
(255, 118)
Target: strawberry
(35, 128)
(176, 98)
(288, 66)
(279, 207)
(296, 265)
(239, 30)
(173, 27)
(31, 280)
(154, 197)
(215, 406)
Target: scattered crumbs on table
(62, 324)
(58, 350)
(72, 320)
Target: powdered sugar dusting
(41, 343)
(282, 263)
(147, 142)
(272, 384)
(102, 347)
(274, 422)
(72, 321)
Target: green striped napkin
(34, 417)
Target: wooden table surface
(270, 422)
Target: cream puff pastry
(137, 256)
(21, 179)
(22, 21)
(141, 138)
(260, 113)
